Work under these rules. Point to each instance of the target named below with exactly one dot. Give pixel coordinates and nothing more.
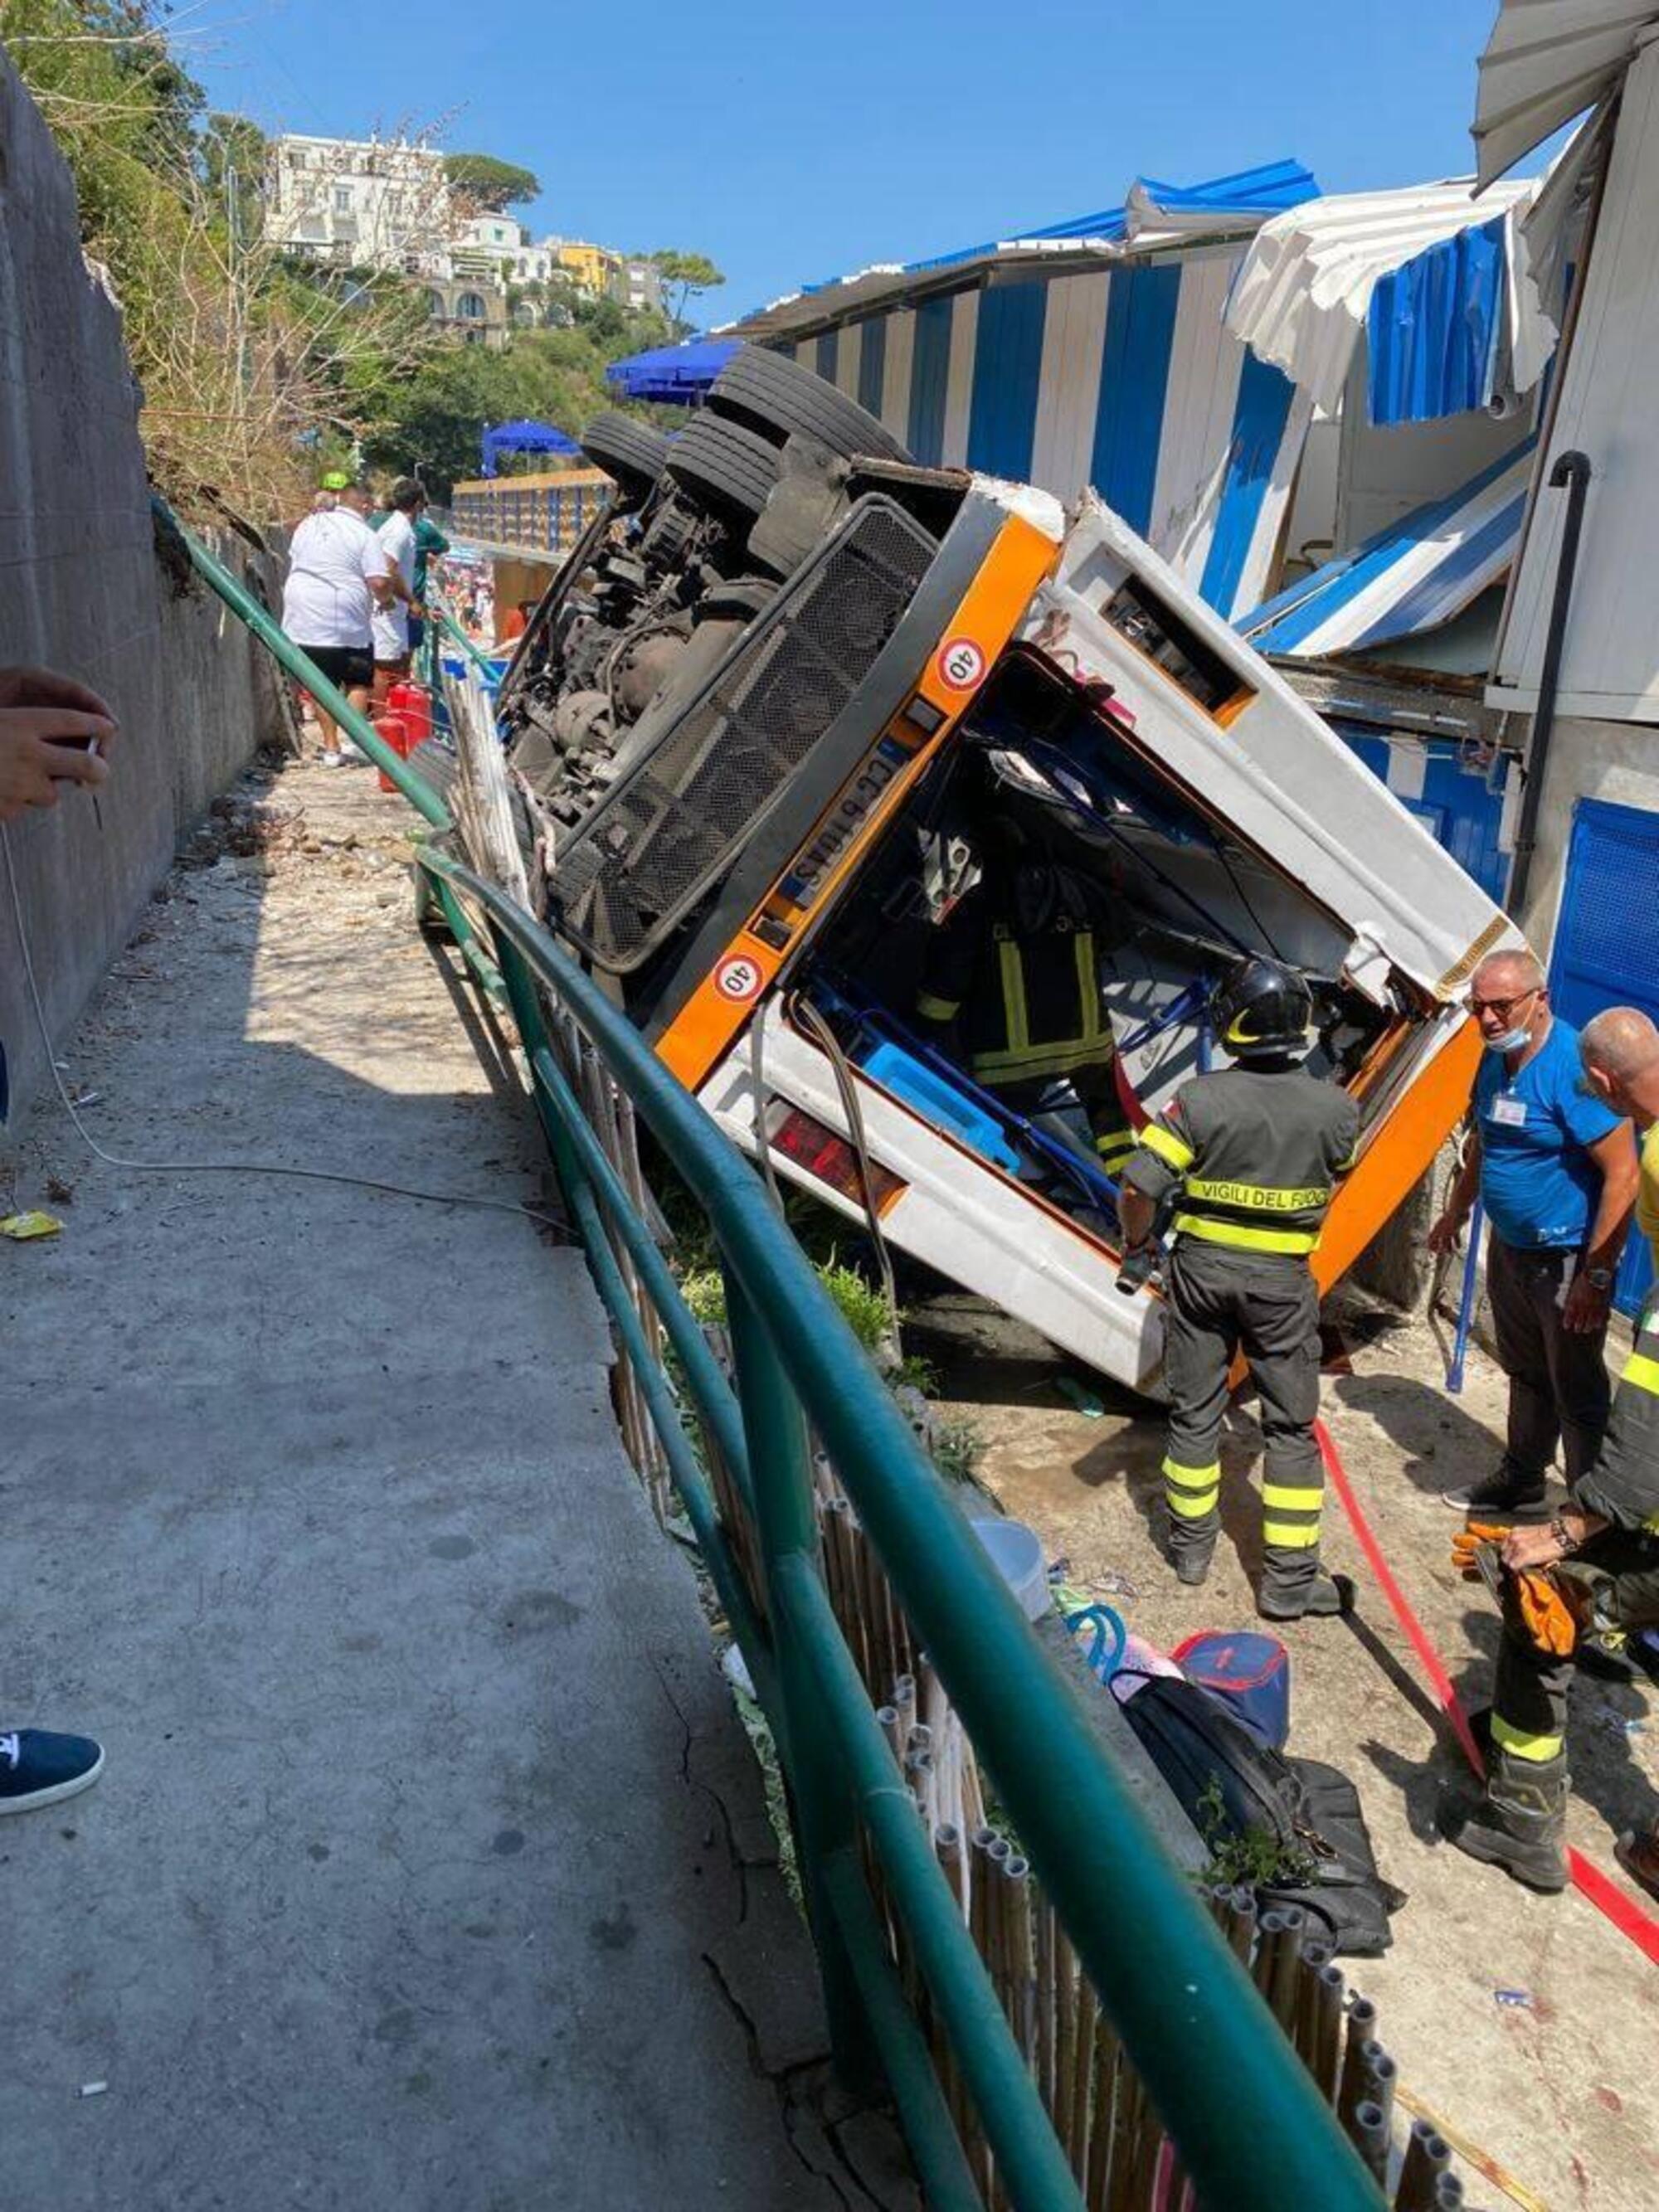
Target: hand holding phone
(52, 731)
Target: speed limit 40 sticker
(739, 979)
(960, 663)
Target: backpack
(1230, 1783)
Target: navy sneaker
(39, 1768)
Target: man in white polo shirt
(337, 577)
(400, 546)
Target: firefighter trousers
(1619, 1570)
(1222, 1303)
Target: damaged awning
(1545, 62)
(1438, 283)
(675, 376)
(1419, 573)
(1153, 214)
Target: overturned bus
(793, 699)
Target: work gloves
(1555, 1604)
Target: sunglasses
(1504, 1008)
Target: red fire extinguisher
(413, 702)
(392, 730)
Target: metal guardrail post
(1028, 2152)
(453, 631)
(786, 1521)
(1166, 1979)
(1250, 2128)
(940, 2162)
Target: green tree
(434, 419)
(244, 359)
(684, 276)
(491, 184)
(234, 153)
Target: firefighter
(1592, 1576)
(1249, 1156)
(1011, 988)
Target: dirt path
(1560, 2085)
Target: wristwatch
(1559, 1530)
(1599, 1279)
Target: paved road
(430, 1872)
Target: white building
(365, 203)
(385, 204)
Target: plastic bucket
(1017, 1554)
(1252, 1672)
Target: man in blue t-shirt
(1556, 1171)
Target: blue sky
(793, 144)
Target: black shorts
(348, 667)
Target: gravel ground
(1559, 2087)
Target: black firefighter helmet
(1263, 1010)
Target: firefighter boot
(1520, 1823)
(1294, 1587)
(1191, 1546)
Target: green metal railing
(1251, 2130)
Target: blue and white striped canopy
(1124, 378)
(1089, 352)
(1417, 574)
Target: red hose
(1630, 1919)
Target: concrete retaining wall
(81, 590)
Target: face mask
(1511, 1040)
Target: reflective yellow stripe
(1173, 1151)
(1247, 1240)
(1016, 1023)
(1192, 1478)
(1290, 1536)
(1520, 1745)
(937, 1010)
(1641, 1371)
(1293, 1501)
(1188, 1505)
(1262, 1197)
(1088, 982)
(1117, 1144)
(1038, 1059)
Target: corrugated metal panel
(1199, 403)
(1610, 653)
(1134, 375)
(1185, 211)
(1153, 213)
(1120, 374)
(1545, 62)
(900, 329)
(1006, 380)
(1073, 335)
(849, 360)
(1305, 290)
(1449, 792)
(1412, 576)
(872, 361)
(930, 375)
(1433, 328)
(1255, 487)
(1607, 949)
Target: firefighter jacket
(1014, 974)
(1622, 1487)
(1251, 1155)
